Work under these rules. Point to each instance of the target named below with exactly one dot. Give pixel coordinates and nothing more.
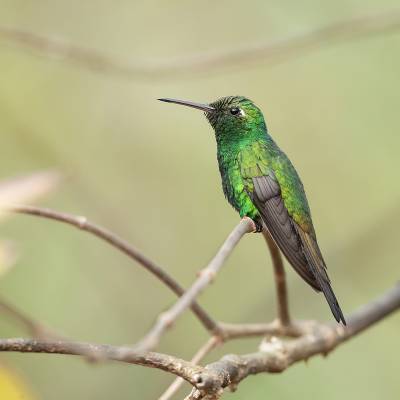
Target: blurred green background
(148, 171)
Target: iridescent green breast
(239, 166)
(235, 186)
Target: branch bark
(200, 354)
(174, 365)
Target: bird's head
(231, 116)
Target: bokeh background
(148, 171)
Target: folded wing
(298, 246)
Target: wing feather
(300, 247)
(318, 267)
(267, 198)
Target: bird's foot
(256, 225)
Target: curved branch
(269, 52)
(34, 327)
(84, 224)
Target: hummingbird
(261, 183)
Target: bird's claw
(256, 225)
(259, 227)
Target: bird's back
(278, 194)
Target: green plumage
(260, 182)
(245, 150)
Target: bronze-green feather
(260, 182)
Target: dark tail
(331, 299)
(317, 265)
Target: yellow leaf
(12, 386)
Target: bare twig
(280, 280)
(201, 353)
(274, 356)
(120, 244)
(206, 276)
(268, 52)
(236, 331)
(35, 328)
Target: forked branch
(275, 355)
(206, 276)
(308, 338)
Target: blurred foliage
(148, 171)
(8, 256)
(11, 386)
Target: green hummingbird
(260, 182)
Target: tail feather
(332, 300)
(318, 267)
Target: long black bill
(199, 106)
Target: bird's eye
(235, 110)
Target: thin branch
(280, 280)
(206, 276)
(165, 362)
(269, 52)
(83, 224)
(236, 331)
(201, 353)
(277, 355)
(35, 328)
